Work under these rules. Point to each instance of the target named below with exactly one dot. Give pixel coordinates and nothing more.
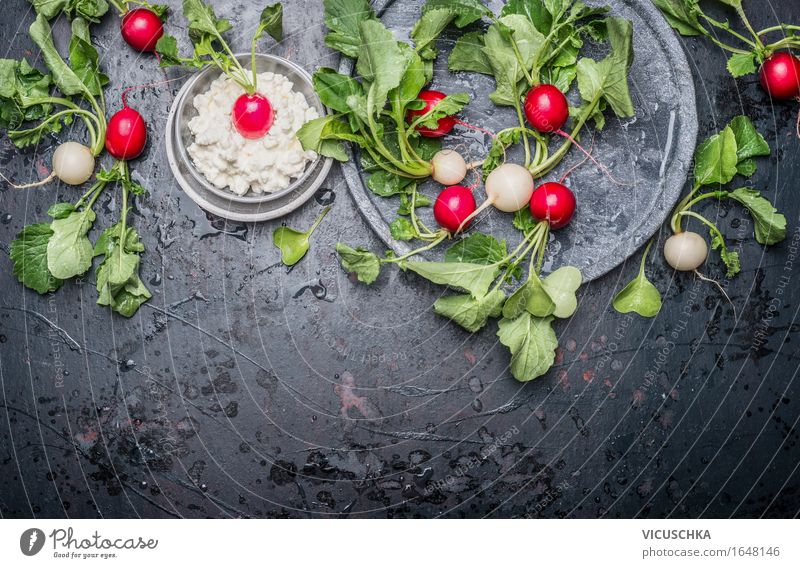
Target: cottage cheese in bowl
(228, 160)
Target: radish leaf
(365, 264)
(532, 343)
(469, 312)
(28, 252)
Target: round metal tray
(650, 152)
(250, 207)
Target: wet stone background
(243, 389)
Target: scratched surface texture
(244, 389)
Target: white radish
(73, 163)
(685, 251)
(449, 167)
(508, 188)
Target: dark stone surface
(245, 389)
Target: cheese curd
(228, 160)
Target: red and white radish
(448, 167)
(685, 251)
(454, 207)
(141, 28)
(780, 75)
(554, 203)
(252, 115)
(546, 108)
(73, 163)
(431, 99)
(126, 135)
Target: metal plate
(249, 207)
(650, 152)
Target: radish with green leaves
(717, 161)
(252, 113)
(750, 51)
(28, 98)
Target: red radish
(141, 28)
(126, 134)
(453, 208)
(252, 115)
(546, 108)
(554, 203)
(431, 99)
(780, 75)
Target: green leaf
(84, 60)
(64, 77)
(20, 84)
(607, 80)
(380, 62)
(639, 296)
(343, 18)
(477, 248)
(167, 49)
(334, 89)
(402, 229)
(60, 210)
(469, 312)
(428, 28)
(561, 286)
(203, 20)
(414, 78)
(437, 15)
(448, 106)
(524, 221)
(539, 303)
(466, 11)
(386, 184)
(294, 244)
(749, 142)
(69, 251)
(741, 64)
(467, 276)
(28, 253)
(730, 258)
(365, 264)
(405, 203)
(92, 10)
(270, 21)
(132, 295)
(497, 152)
(467, 55)
(117, 277)
(715, 159)
(532, 343)
(681, 15)
(506, 67)
(534, 10)
(323, 134)
(770, 226)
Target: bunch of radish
(252, 113)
